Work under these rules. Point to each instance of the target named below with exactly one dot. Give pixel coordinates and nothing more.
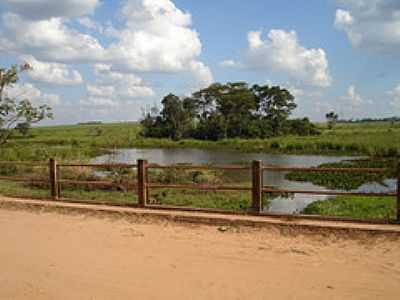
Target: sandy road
(58, 256)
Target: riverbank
(81, 142)
(361, 207)
(84, 257)
(355, 207)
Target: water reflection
(221, 157)
(293, 204)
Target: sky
(103, 60)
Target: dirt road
(58, 256)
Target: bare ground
(48, 255)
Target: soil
(49, 255)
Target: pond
(293, 204)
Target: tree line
(231, 110)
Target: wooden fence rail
(105, 166)
(324, 170)
(200, 167)
(143, 185)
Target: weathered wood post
(142, 182)
(53, 178)
(398, 192)
(257, 185)
(58, 180)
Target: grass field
(80, 142)
(355, 207)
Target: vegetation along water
(80, 143)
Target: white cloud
(43, 9)
(91, 24)
(354, 105)
(343, 19)
(98, 102)
(201, 73)
(100, 90)
(395, 95)
(113, 87)
(282, 52)
(50, 40)
(157, 37)
(54, 73)
(352, 98)
(371, 24)
(30, 92)
(228, 63)
(126, 84)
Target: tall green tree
(275, 105)
(233, 102)
(17, 113)
(177, 115)
(237, 103)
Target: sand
(48, 255)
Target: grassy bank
(351, 206)
(355, 207)
(237, 201)
(347, 181)
(17, 189)
(80, 142)
(119, 188)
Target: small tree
(331, 119)
(15, 113)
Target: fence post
(257, 185)
(142, 182)
(58, 180)
(398, 192)
(53, 178)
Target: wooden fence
(142, 185)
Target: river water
(294, 204)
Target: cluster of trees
(232, 110)
(17, 114)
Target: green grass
(354, 206)
(347, 181)
(70, 142)
(237, 201)
(17, 189)
(100, 196)
(81, 142)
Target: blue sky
(107, 60)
